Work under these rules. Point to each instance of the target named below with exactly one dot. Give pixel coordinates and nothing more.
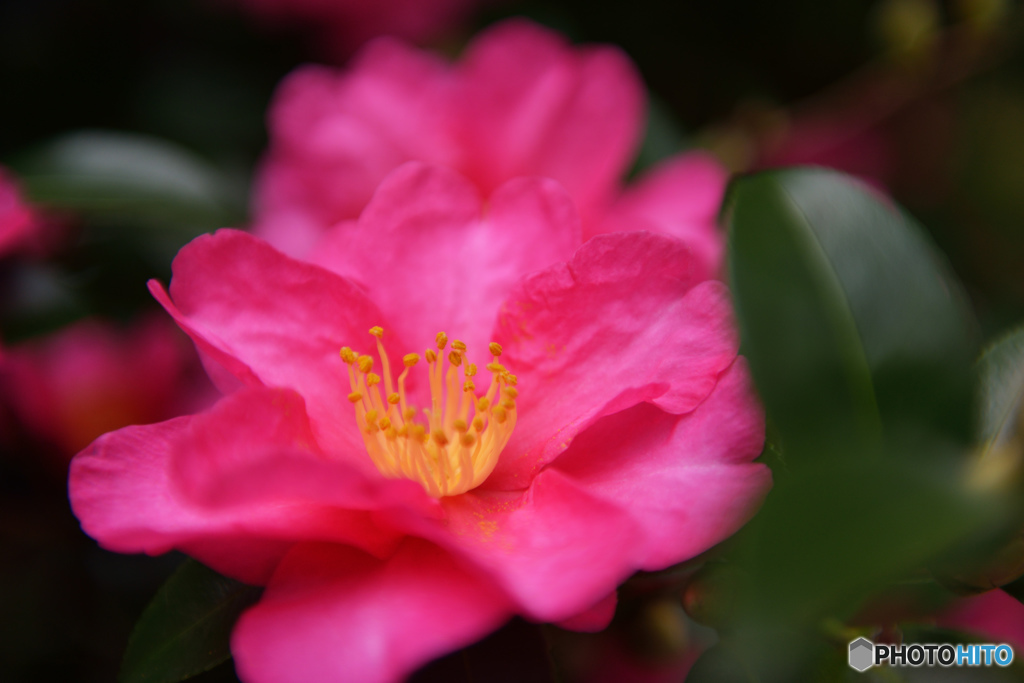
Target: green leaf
(848, 316)
(1001, 375)
(123, 178)
(186, 629)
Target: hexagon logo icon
(862, 654)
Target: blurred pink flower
(520, 102)
(17, 220)
(344, 25)
(615, 429)
(994, 616)
(92, 378)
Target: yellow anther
(494, 348)
(447, 451)
(511, 379)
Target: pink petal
(641, 489)
(688, 481)
(995, 616)
(255, 448)
(335, 136)
(17, 220)
(433, 261)
(121, 493)
(334, 614)
(268, 319)
(235, 487)
(595, 618)
(531, 104)
(681, 197)
(624, 322)
(555, 549)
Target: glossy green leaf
(131, 179)
(185, 630)
(852, 325)
(1001, 375)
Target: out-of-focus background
(131, 127)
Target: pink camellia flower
(91, 378)
(520, 102)
(17, 220)
(995, 616)
(579, 413)
(346, 24)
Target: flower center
(456, 444)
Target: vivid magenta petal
(531, 104)
(688, 481)
(595, 618)
(334, 614)
(625, 321)
(272, 320)
(432, 260)
(681, 197)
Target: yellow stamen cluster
(456, 445)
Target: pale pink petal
(555, 549)
(271, 320)
(688, 481)
(334, 614)
(433, 261)
(595, 618)
(624, 322)
(335, 136)
(531, 104)
(681, 197)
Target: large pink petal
(433, 260)
(234, 486)
(530, 104)
(688, 481)
(269, 319)
(121, 493)
(555, 548)
(624, 322)
(680, 197)
(641, 489)
(335, 136)
(334, 614)
(995, 616)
